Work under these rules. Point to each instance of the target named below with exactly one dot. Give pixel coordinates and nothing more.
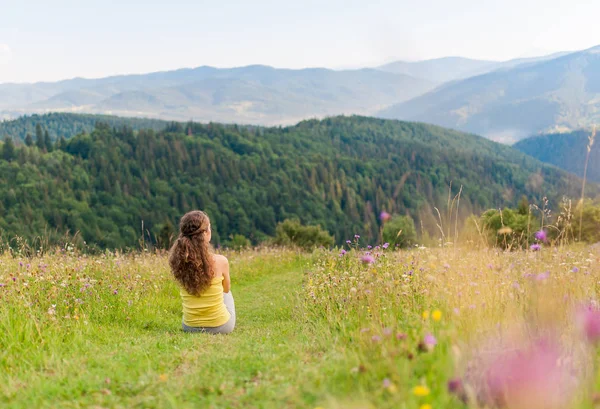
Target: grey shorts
(222, 329)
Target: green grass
(313, 330)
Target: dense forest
(565, 150)
(339, 172)
(66, 125)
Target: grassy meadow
(360, 328)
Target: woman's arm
(225, 272)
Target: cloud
(5, 54)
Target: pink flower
(588, 319)
(430, 341)
(385, 216)
(535, 247)
(534, 376)
(367, 259)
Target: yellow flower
(425, 315)
(163, 377)
(436, 315)
(421, 390)
(392, 389)
(425, 406)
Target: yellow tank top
(207, 309)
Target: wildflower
(429, 341)
(387, 332)
(425, 315)
(542, 276)
(385, 216)
(348, 242)
(356, 236)
(505, 230)
(342, 252)
(400, 336)
(386, 383)
(375, 338)
(535, 247)
(163, 377)
(528, 377)
(115, 292)
(363, 330)
(385, 245)
(367, 259)
(369, 247)
(588, 319)
(420, 390)
(575, 270)
(436, 315)
(456, 387)
(425, 406)
(541, 236)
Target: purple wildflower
(455, 386)
(369, 247)
(542, 276)
(367, 259)
(356, 236)
(385, 216)
(575, 270)
(387, 383)
(535, 247)
(115, 292)
(541, 236)
(342, 252)
(348, 242)
(385, 245)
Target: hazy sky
(57, 39)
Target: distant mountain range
(509, 104)
(253, 94)
(446, 69)
(503, 101)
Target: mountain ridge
(508, 105)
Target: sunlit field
(359, 328)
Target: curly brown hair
(190, 257)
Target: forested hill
(339, 172)
(66, 125)
(565, 150)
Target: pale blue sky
(57, 39)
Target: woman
(203, 276)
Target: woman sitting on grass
(203, 276)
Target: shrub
(399, 231)
(238, 242)
(509, 228)
(292, 233)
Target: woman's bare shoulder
(220, 260)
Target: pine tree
(47, 141)
(28, 140)
(39, 137)
(8, 149)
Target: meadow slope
(322, 330)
